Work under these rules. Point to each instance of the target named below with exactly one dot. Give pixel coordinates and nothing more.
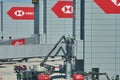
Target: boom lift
(69, 62)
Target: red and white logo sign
(18, 42)
(67, 9)
(116, 2)
(109, 6)
(63, 9)
(21, 13)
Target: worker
(19, 76)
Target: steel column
(36, 18)
(2, 17)
(74, 19)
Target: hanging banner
(63, 9)
(21, 13)
(109, 6)
(18, 42)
